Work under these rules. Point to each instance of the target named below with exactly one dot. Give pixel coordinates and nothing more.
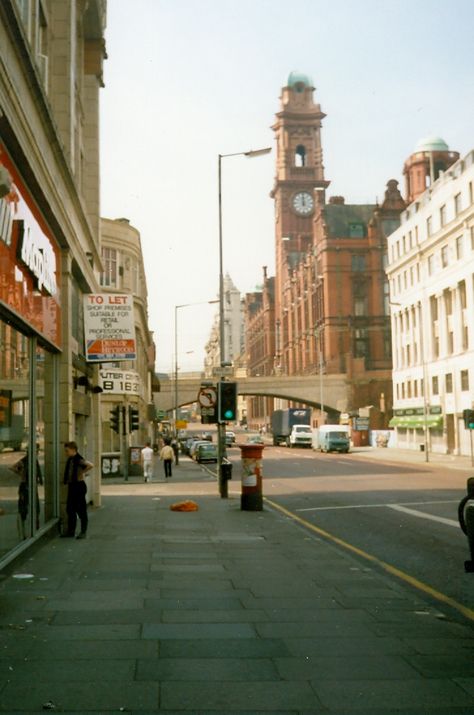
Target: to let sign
(109, 327)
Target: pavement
(219, 612)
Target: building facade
(51, 55)
(127, 383)
(431, 274)
(233, 331)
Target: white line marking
(375, 506)
(422, 515)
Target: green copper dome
(432, 143)
(296, 77)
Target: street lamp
(176, 308)
(221, 425)
(423, 372)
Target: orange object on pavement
(187, 505)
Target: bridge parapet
(298, 388)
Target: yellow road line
(425, 588)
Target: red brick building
(331, 302)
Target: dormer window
(300, 155)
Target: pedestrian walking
(76, 505)
(147, 462)
(167, 456)
(175, 447)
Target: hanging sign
(109, 327)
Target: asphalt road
(404, 515)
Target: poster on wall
(109, 327)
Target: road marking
(423, 515)
(375, 506)
(414, 582)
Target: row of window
(435, 261)
(446, 213)
(414, 388)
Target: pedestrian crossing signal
(227, 401)
(468, 416)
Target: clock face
(303, 203)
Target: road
(402, 514)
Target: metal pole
(472, 453)
(220, 425)
(175, 367)
(423, 365)
(321, 400)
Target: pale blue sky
(189, 79)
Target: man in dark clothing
(76, 505)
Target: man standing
(76, 506)
(147, 461)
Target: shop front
(30, 340)
(411, 424)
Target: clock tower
(298, 191)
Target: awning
(417, 421)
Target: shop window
(464, 380)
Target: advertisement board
(119, 382)
(109, 327)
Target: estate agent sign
(109, 327)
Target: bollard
(466, 521)
(251, 496)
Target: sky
(187, 80)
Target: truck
(331, 438)
(292, 427)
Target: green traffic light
(229, 415)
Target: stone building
(233, 331)
(431, 274)
(127, 383)
(51, 55)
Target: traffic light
(115, 418)
(133, 419)
(468, 416)
(227, 401)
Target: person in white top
(147, 461)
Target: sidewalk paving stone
(219, 612)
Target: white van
(332, 438)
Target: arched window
(300, 155)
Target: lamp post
(221, 425)
(423, 372)
(176, 308)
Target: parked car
(195, 445)
(231, 435)
(207, 436)
(206, 452)
(255, 439)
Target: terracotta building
(331, 293)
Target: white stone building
(233, 330)
(431, 274)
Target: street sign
(223, 371)
(207, 397)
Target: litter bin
(226, 469)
